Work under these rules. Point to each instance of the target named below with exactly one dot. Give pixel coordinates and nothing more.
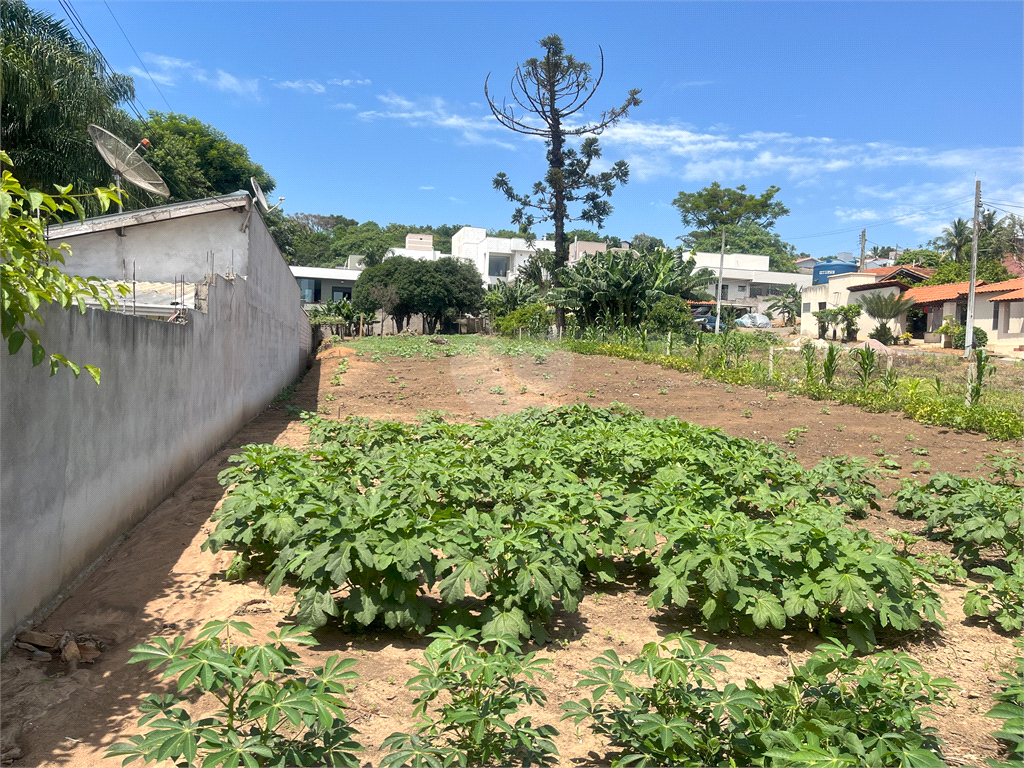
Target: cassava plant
(269, 713)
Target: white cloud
(169, 71)
(426, 187)
(348, 83)
(455, 199)
(437, 113)
(230, 84)
(160, 78)
(345, 105)
(305, 86)
(857, 214)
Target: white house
(747, 280)
(847, 287)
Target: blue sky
(860, 112)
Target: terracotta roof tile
(1015, 283)
(929, 294)
(1017, 295)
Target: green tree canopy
(53, 87)
(922, 256)
(643, 243)
(709, 209)
(442, 289)
(195, 159)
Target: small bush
(533, 319)
(884, 335)
(960, 337)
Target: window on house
(807, 306)
(725, 292)
(341, 293)
(498, 266)
(822, 305)
(961, 311)
(310, 290)
(995, 315)
(741, 289)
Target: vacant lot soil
(159, 582)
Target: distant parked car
(753, 320)
(706, 323)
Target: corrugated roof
(929, 294)
(1017, 295)
(1006, 285)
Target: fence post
(669, 344)
(771, 363)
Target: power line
(948, 204)
(87, 40)
(137, 56)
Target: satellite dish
(261, 198)
(259, 194)
(126, 162)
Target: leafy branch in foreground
(29, 275)
(269, 715)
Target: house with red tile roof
(938, 302)
(849, 287)
(999, 310)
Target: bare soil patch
(159, 582)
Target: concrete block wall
(82, 464)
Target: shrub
(883, 334)
(533, 319)
(671, 314)
(960, 337)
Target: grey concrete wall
(82, 464)
(163, 251)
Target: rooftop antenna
(261, 198)
(126, 162)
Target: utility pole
(863, 243)
(969, 337)
(718, 295)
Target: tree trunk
(556, 162)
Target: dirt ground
(159, 582)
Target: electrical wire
(883, 222)
(137, 56)
(88, 40)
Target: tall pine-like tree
(546, 93)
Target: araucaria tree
(548, 92)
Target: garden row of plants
(876, 387)
(509, 518)
(664, 707)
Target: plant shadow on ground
(134, 595)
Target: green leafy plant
(982, 368)
(867, 365)
(664, 708)
(795, 435)
(481, 689)
(29, 271)
(1009, 709)
(268, 715)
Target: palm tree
(956, 238)
(884, 307)
(53, 87)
